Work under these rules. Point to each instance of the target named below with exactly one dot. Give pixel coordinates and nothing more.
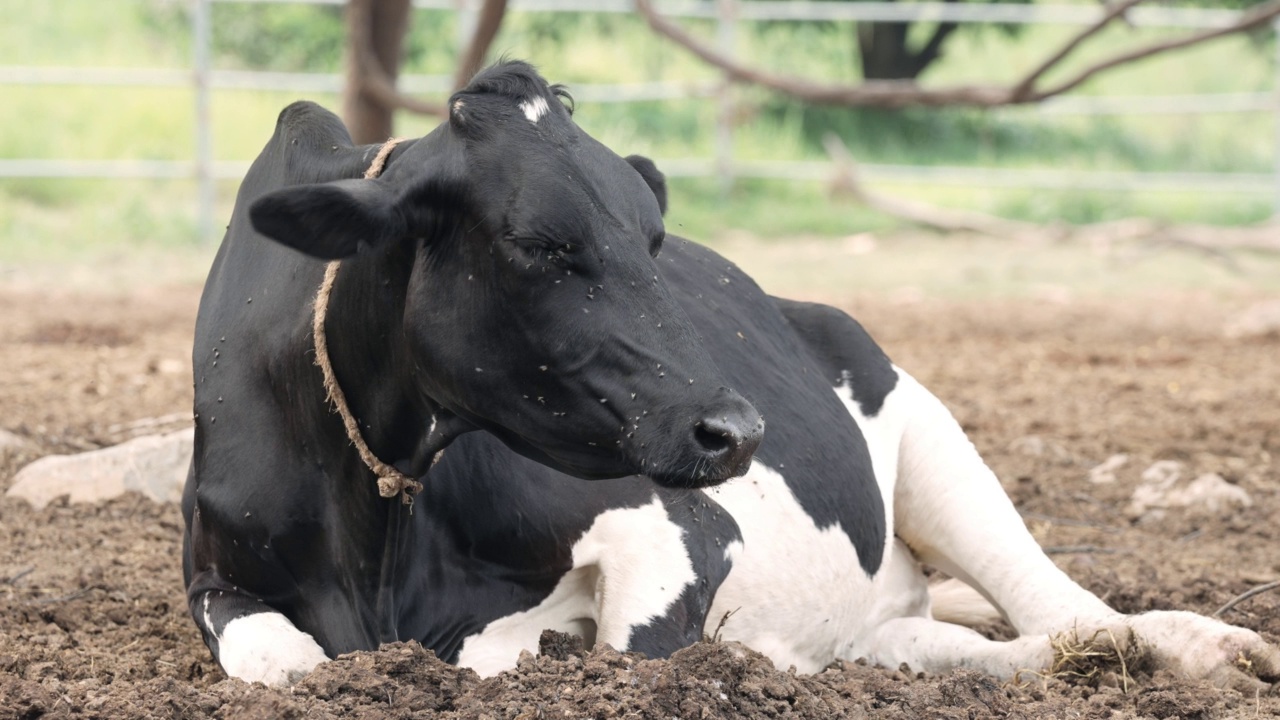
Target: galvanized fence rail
(203, 78)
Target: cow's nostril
(713, 438)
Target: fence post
(202, 29)
(726, 31)
(467, 16)
(1275, 115)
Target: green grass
(44, 219)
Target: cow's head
(534, 308)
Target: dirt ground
(93, 621)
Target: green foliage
(283, 37)
(156, 123)
(298, 38)
(280, 37)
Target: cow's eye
(541, 250)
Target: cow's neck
(371, 362)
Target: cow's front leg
(659, 566)
(952, 512)
(253, 642)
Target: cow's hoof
(1200, 647)
(267, 648)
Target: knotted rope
(390, 480)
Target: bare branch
(1245, 596)
(932, 49)
(472, 58)
(900, 94)
(1218, 243)
(917, 213)
(889, 94)
(1256, 17)
(1028, 83)
(379, 85)
(373, 79)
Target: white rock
(12, 441)
(1213, 493)
(1106, 472)
(1258, 320)
(1036, 446)
(154, 465)
(1163, 473)
(1161, 491)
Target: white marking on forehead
(535, 108)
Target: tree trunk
(472, 57)
(383, 24)
(885, 55)
(883, 48)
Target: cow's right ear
(330, 220)
(653, 177)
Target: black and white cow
(503, 274)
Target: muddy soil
(93, 621)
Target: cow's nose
(729, 436)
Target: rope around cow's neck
(390, 480)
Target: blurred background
(126, 125)
(1057, 214)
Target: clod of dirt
(63, 332)
(558, 645)
(400, 675)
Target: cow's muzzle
(719, 445)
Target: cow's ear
(653, 177)
(331, 220)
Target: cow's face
(534, 308)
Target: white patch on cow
(795, 591)
(801, 594)
(265, 647)
(208, 619)
(802, 599)
(953, 512)
(535, 108)
(628, 568)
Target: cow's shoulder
(844, 350)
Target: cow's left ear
(653, 177)
(330, 220)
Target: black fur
(499, 276)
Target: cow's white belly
(798, 592)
